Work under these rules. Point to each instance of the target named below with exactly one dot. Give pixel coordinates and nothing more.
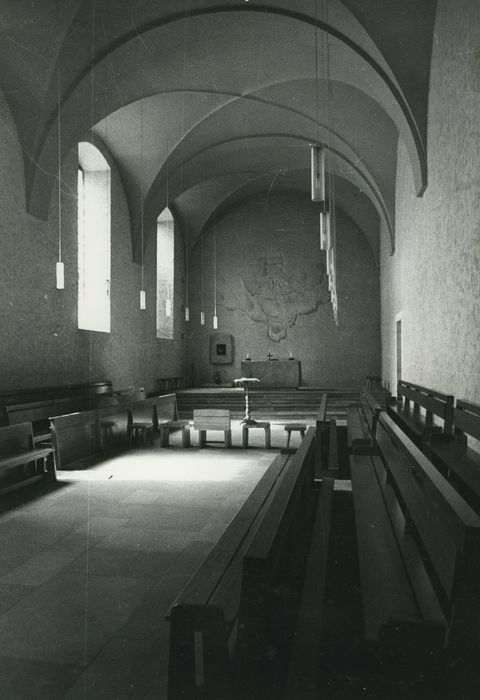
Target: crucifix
(269, 355)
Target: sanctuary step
(267, 402)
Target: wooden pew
(19, 458)
(416, 410)
(212, 419)
(419, 547)
(362, 421)
(222, 620)
(80, 439)
(204, 616)
(86, 390)
(454, 457)
(326, 443)
(38, 413)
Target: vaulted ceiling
(204, 103)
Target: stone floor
(89, 567)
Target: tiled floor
(88, 569)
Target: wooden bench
(38, 413)
(453, 456)
(418, 411)
(82, 438)
(326, 442)
(419, 547)
(362, 421)
(86, 390)
(19, 458)
(221, 623)
(212, 419)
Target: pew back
(19, 458)
(416, 410)
(426, 510)
(466, 419)
(202, 618)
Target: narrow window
(93, 239)
(165, 275)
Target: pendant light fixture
(317, 150)
(215, 317)
(202, 312)
(187, 308)
(59, 268)
(143, 299)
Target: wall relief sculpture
(276, 293)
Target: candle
(248, 355)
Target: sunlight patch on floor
(179, 467)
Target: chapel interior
(240, 263)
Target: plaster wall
(268, 264)
(40, 340)
(433, 279)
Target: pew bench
(454, 457)
(217, 419)
(326, 441)
(38, 413)
(418, 411)
(224, 626)
(19, 458)
(419, 546)
(362, 421)
(203, 618)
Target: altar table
(273, 373)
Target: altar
(273, 373)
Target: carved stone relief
(276, 294)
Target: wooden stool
(140, 429)
(301, 427)
(259, 424)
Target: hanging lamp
(187, 308)
(59, 268)
(202, 312)
(143, 296)
(215, 317)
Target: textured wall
(271, 296)
(40, 341)
(433, 280)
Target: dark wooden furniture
(20, 459)
(373, 382)
(142, 420)
(82, 438)
(167, 420)
(259, 425)
(38, 413)
(224, 620)
(326, 442)
(203, 618)
(212, 419)
(454, 457)
(416, 410)
(362, 421)
(87, 390)
(419, 547)
(295, 427)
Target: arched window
(165, 275)
(94, 203)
